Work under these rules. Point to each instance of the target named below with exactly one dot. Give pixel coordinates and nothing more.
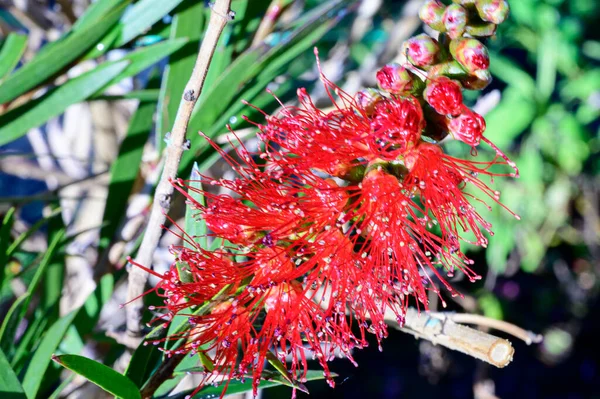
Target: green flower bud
(431, 13)
(478, 81)
(470, 53)
(421, 50)
(494, 11)
(451, 69)
(455, 20)
(482, 29)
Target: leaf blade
(17, 122)
(101, 375)
(11, 53)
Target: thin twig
(137, 277)
(163, 373)
(527, 336)
(439, 329)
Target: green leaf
(510, 73)
(146, 57)
(188, 23)
(583, 86)
(26, 234)
(95, 13)
(511, 117)
(9, 324)
(143, 15)
(11, 53)
(5, 229)
(42, 356)
(546, 64)
(10, 388)
(47, 63)
(195, 228)
(211, 392)
(17, 122)
(142, 95)
(101, 375)
(146, 358)
(124, 170)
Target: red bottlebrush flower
(467, 127)
(444, 95)
(439, 180)
(396, 126)
(400, 254)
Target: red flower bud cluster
(342, 218)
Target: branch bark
(219, 17)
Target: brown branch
(162, 198)
(163, 373)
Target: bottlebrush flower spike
(349, 213)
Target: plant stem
(219, 17)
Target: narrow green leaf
(20, 306)
(546, 64)
(95, 13)
(5, 229)
(142, 95)
(143, 15)
(195, 228)
(101, 375)
(510, 73)
(188, 23)
(511, 117)
(146, 358)
(26, 234)
(17, 122)
(146, 57)
(42, 356)
(48, 63)
(11, 53)
(10, 388)
(10, 323)
(124, 170)
(211, 392)
(285, 376)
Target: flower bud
(478, 81)
(367, 99)
(444, 95)
(467, 127)
(422, 50)
(455, 20)
(485, 29)
(394, 78)
(449, 68)
(494, 11)
(470, 53)
(431, 13)
(464, 2)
